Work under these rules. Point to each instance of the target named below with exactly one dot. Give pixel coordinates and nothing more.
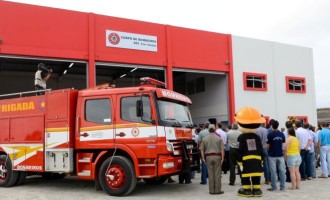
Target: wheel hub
(115, 177)
(3, 171)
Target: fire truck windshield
(174, 114)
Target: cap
(211, 126)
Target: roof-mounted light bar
(151, 81)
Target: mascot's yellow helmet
(249, 116)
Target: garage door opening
(208, 92)
(126, 75)
(17, 74)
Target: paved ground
(71, 188)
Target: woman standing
(293, 158)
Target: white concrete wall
(277, 61)
(213, 103)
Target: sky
(298, 22)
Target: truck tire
(119, 178)
(21, 178)
(155, 181)
(8, 176)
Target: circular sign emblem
(114, 38)
(42, 104)
(135, 132)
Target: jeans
(277, 163)
(312, 169)
(304, 166)
(204, 173)
(325, 160)
(266, 165)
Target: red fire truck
(114, 136)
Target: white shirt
(303, 137)
(223, 135)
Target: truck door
(96, 123)
(137, 131)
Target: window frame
(259, 75)
(304, 118)
(132, 120)
(95, 122)
(293, 78)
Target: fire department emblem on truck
(114, 38)
(135, 131)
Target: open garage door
(208, 92)
(126, 75)
(17, 73)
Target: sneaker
(282, 189)
(310, 178)
(271, 190)
(202, 183)
(322, 176)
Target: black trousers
(233, 165)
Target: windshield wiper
(177, 124)
(189, 124)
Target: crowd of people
(285, 155)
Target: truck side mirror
(139, 108)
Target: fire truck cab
(114, 136)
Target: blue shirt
(324, 137)
(275, 139)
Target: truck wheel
(119, 178)
(8, 177)
(21, 178)
(155, 181)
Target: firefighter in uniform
(212, 152)
(250, 151)
(41, 76)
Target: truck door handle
(84, 134)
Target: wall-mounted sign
(125, 40)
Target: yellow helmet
(249, 115)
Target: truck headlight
(169, 147)
(167, 165)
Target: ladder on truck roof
(22, 93)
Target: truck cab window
(98, 111)
(128, 109)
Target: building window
(303, 119)
(98, 111)
(196, 85)
(254, 81)
(295, 84)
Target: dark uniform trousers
(233, 164)
(213, 163)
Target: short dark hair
(275, 124)
(298, 123)
(288, 124)
(323, 124)
(306, 125)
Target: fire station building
(220, 73)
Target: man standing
(263, 133)
(232, 136)
(275, 142)
(305, 141)
(324, 145)
(212, 152)
(221, 133)
(202, 135)
(41, 76)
